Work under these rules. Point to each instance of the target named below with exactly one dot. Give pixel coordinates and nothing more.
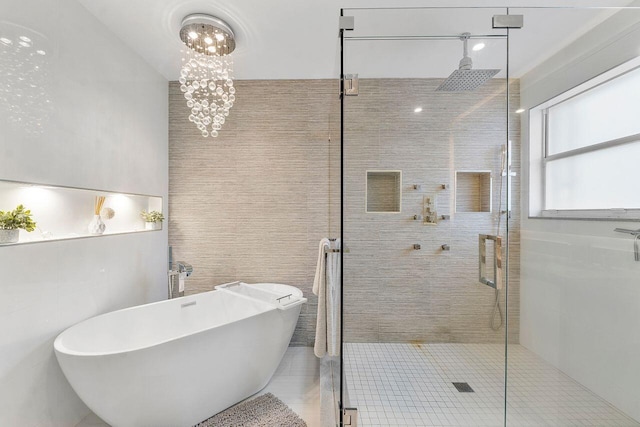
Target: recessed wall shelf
(473, 191)
(384, 191)
(63, 213)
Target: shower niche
(473, 191)
(384, 191)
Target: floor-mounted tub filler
(180, 361)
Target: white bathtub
(178, 362)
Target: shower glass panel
(424, 342)
(577, 360)
(424, 338)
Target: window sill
(590, 214)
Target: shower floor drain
(463, 387)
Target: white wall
(105, 128)
(580, 289)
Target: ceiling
(298, 39)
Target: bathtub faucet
(176, 283)
(183, 267)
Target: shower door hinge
(351, 84)
(508, 21)
(346, 23)
(350, 417)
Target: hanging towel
(327, 286)
(319, 289)
(333, 300)
(320, 266)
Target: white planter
(9, 236)
(96, 226)
(153, 225)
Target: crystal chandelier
(206, 76)
(25, 85)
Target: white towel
(320, 266)
(319, 288)
(327, 286)
(333, 301)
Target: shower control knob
(416, 246)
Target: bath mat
(263, 411)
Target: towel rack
(329, 251)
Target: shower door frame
(344, 411)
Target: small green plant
(17, 218)
(153, 216)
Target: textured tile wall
(393, 292)
(253, 203)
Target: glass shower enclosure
(444, 253)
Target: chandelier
(206, 76)
(26, 78)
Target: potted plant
(12, 221)
(152, 220)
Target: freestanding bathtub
(176, 363)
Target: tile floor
(411, 385)
(296, 382)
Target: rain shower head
(465, 78)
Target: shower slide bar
(636, 237)
(497, 260)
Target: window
(585, 153)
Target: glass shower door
(577, 361)
(426, 197)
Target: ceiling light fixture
(478, 46)
(26, 78)
(206, 76)
(417, 110)
(520, 110)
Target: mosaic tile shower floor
(411, 385)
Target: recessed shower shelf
(383, 191)
(64, 213)
(473, 191)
